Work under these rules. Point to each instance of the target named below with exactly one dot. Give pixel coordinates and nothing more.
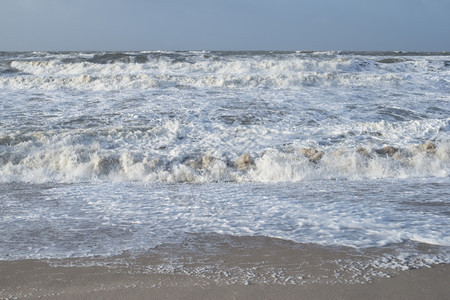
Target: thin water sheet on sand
(226, 267)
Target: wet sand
(215, 267)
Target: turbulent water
(106, 152)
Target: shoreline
(36, 279)
(226, 267)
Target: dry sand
(215, 267)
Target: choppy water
(106, 152)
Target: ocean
(106, 153)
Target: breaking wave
(115, 71)
(201, 116)
(90, 162)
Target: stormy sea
(106, 157)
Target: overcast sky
(410, 25)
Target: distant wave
(115, 71)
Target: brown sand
(214, 267)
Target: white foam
(315, 125)
(170, 150)
(61, 161)
(283, 71)
(106, 219)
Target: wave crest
(90, 163)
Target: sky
(354, 25)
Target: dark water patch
(244, 119)
(399, 114)
(179, 56)
(255, 53)
(13, 140)
(395, 53)
(438, 110)
(363, 65)
(10, 158)
(74, 60)
(391, 60)
(118, 57)
(9, 71)
(81, 122)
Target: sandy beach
(214, 267)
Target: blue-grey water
(106, 152)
